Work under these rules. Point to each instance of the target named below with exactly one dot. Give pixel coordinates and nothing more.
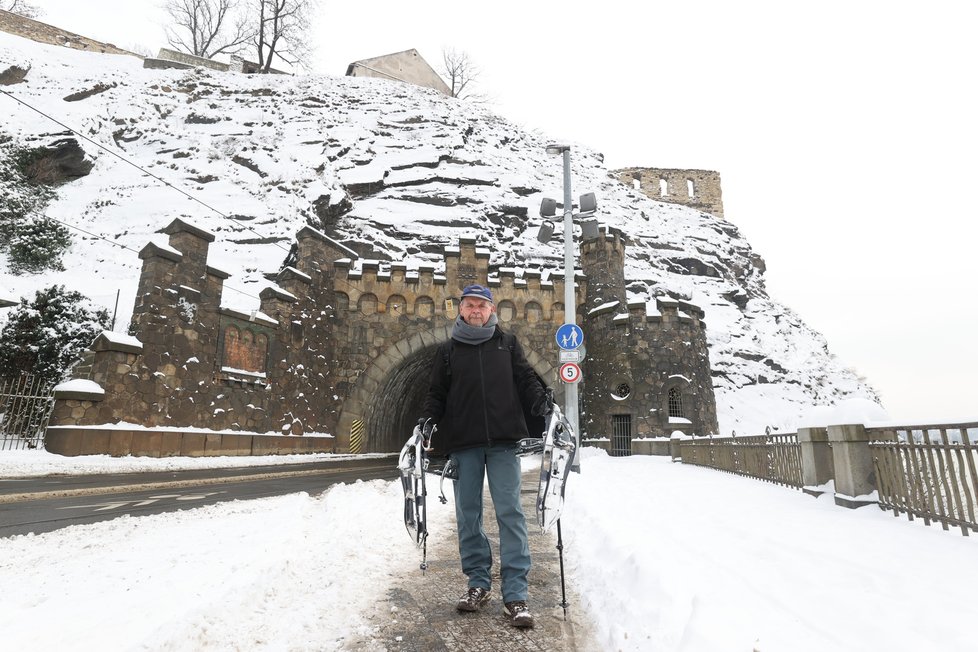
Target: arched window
(558, 312)
(663, 188)
(676, 403)
(505, 311)
(424, 307)
(396, 305)
(534, 312)
(367, 304)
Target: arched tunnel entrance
(391, 411)
(395, 408)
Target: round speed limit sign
(570, 373)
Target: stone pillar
(817, 467)
(855, 477)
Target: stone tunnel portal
(395, 409)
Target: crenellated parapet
(392, 288)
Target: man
(480, 382)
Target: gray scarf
(466, 334)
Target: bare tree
(22, 8)
(206, 28)
(283, 31)
(461, 73)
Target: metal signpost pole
(570, 300)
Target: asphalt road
(48, 503)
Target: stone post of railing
(855, 477)
(817, 467)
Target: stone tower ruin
(699, 189)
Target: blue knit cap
(478, 291)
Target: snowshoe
(412, 464)
(559, 449)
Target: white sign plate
(571, 356)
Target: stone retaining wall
(69, 441)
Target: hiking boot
(519, 614)
(473, 599)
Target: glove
(543, 406)
(425, 426)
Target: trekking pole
(560, 555)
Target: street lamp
(548, 209)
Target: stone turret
(603, 262)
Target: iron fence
(772, 458)
(928, 472)
(26, 402)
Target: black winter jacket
(481, 396)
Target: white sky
(844, 133)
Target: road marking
(101, 507)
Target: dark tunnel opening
(395, 409)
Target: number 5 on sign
(570, 373)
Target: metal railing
(929, 472)
(26, 402)
(772, 458)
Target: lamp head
(548, 207)
(554, 148)
(546, 232)
(588, 203)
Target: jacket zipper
(485, 407)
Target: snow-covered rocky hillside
(395, 172)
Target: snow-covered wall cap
(679, 377)
(256, 316)
(157, 250)
(291, 272)
(451, 250)
(319, 235)
(182, 226)
(79, 389)
(276, 293)
(620, 319)
(219, 273)
(482, 252)
(603, 308)
(110, 341)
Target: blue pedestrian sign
(570, 337)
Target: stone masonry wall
(342, 346)
(706, 196)
(51, 35)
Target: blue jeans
(502, 466)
